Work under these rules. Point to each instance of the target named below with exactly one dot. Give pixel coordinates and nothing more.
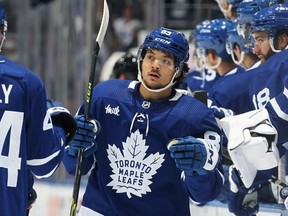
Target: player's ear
(237, 50)
(282, 41)
(213, 56)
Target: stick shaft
(91, 80)
(97, 45)
(77, 183)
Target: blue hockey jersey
(27, 141)
(232, 92)
(134, 173)
(268, 89)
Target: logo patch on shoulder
(112, 110)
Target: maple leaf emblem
(132, 172)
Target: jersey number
(262, 98)
(10, 135)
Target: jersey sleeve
(70, 162)
(205, 188)
(277, 108)
(45, 144)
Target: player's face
(261, 46)
(158, 68)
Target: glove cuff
(212, 155)
(60, 116)
(72, 151)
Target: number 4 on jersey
(10, 137)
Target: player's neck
(225, 68)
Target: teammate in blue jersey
(199, 77)
(157, 147)
(211, 47)
(232, 92)
(234, 95)
(268, 95)
(271, 77)
(239, 44)
(29, 142)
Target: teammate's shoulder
(186, 98)
(282, 53)
(189, 108)
(240, 70)
(113, 86)
(112, 83)
(277, 58)
(12, 69)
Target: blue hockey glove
(241, 201)
(61, 117)
(220, 112)
(84, 137)
(193, 155)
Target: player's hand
(241, 201)
(61, 117)
(193, 155)
(220, 112)
(85, 136)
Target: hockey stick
(91, 83)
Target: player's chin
(154, 86)
(153, 83)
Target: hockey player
(239, 43)
(29, 142)
(125, 67)
(157, 147)
(268, 93)
(271, 78)
(211, 47)
(232, 92)
(245, 15)
(199, 78)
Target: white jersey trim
(278, 110)
(38, 162)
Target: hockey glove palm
(193, 155)
(61, 117)
(84, 137)
(241, 201)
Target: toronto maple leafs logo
(132, 172)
